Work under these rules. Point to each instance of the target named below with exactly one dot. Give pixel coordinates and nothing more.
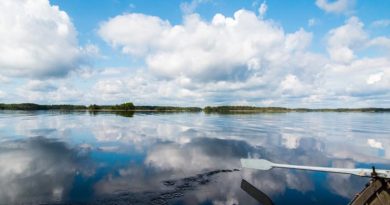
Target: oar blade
(256, 193)
(260, 164)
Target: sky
(302, 53)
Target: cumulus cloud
(226, 48)
(291, 84)
(139, 35)
(55, 90)
(37, 85)
(37, 40)
(239, 59)
(374, 78)
(246, 59)
(367, 78)
(200, 62)
(138, 86)
(338, 6)
(343, 40)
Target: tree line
(251, 109)
(129, 106)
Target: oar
(263, 164)
(256, 193)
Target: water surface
(83, 158)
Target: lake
(184, 158)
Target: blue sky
(303, 53)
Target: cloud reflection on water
(135, 155)
(36, 170)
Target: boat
(376, 192)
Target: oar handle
(262, 164)
(358, 172)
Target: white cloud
(4, 79)
(342, 41)
(67, 93)
(139, 35)
(138, 86)
(246, 59)
(111, 86)
(337, 6)
(292, 85)
(298, 41)
(381, 42)
(40, 86)
(2, 94)
(190, 7)
(227, 48)
(381, 23)
(374, 78)
(239, 59)
(361, 78)
(263, 9)
(50, 90)
(91, 50)
(37, 40)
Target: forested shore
(96, 108)
(250, 109)
(208, 110)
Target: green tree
(93, 107)
(126, 106)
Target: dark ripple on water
(177, 189)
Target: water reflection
(48, 157)
(37, 170)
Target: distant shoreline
(129, 107)
(249, 109)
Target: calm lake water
(83, 158)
